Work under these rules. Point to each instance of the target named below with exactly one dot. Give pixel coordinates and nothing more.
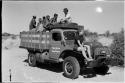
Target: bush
(107, 33)
(88, 33)
(6, 34)
(117, 48)
(13, 37)
(91, 39)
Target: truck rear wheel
(71, 67)
(32, 59)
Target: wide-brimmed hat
(65, 9)
(44, 17)
(55, 14)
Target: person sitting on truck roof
(54, 19)
(40, 25)
(32, 24)
(47, 19)
(44, 21)
(49, 25)
(80, 42)
(67, 17)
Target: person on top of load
(84, 48)
(54, 19)
(67, 17)
(47, 19)
(32, 24)
(44, 22)
(47, 22)
(40, 25)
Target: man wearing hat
(32, 24)
(67, 17)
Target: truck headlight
(108, 55)
(103, 52)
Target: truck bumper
(97, 63)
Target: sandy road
(15, 59)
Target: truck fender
(73, 53)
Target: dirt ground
(15, 60)
(14, 63)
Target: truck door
(56, 46)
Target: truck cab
(61, 40)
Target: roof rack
(64, 26)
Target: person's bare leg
(88, 50)
(84, 54)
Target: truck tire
(32, 59)
(71, 67)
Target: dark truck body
(57, 45)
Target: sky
(96, 16)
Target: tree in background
(86, 32)
(89, 33)
(117, 48)
(107, 33)
(6, 34)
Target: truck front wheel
(71, 67)
(32, 59)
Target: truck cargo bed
(34, 40)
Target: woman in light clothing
(84, 48)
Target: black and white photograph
(63, 41)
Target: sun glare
(99, 10)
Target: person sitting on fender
(79, 41)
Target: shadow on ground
(54, 67)
(87, 73)
(57, 67)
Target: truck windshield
(69, 35)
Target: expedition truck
(57, 45)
